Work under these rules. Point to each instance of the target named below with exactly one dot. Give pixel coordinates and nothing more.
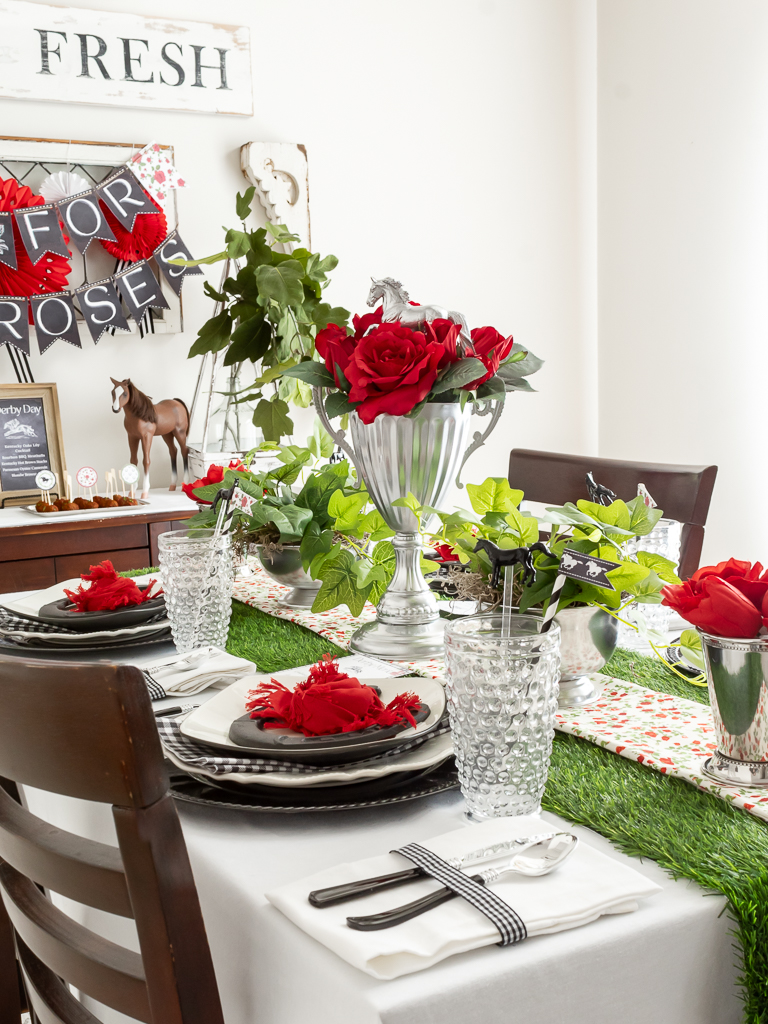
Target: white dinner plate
(431, 752)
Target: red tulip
(714, 605)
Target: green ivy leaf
(643, 520)
(238, 243)
(273, 419)
(321, 444)
(373, 523)
(243, 202)
(281, 233)
(249, 341)
(493, 495)
(213, 335)
(213, 294)
(315, 542)
(346, 509)
(690, 646)
(627, 576)
(216, 258)
(339, 585)
(382, 555)
(313, 373)
(663, 567)
(323, 314)
(282, 283)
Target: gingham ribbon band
(508, 922)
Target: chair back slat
(683, 492)
(82, 730)
(100, 968)
(81, 869)
(51, 1000)
(87, 731)
(10, 1003)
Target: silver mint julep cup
(737, 675)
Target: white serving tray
(90, 513)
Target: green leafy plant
(270, 313)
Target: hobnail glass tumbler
(197, 575)
(502, 698)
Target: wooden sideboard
(35, 554)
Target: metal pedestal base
(399, 642)
(299, 597)
(730, 772)
(577, 693)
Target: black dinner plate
(338, 748)
(392, 789)
(62, 613)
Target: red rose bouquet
(727, 599)
(328, 702)
(377, 367)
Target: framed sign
(74, 55)
(30, 438)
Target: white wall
(683, 247)
(451, 144)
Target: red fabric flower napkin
(108, 590)
(446, 553)
(328, 702)
(728, 599)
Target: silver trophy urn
(421, 454)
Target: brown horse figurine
(143, 420)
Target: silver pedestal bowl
(285, 567)
(588, 638)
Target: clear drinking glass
(502, 698)
(664, 540)
(197, 581)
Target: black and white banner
(100, 304)
(587, 568)
(84, 220)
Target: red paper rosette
(149, 230)
(50, 273)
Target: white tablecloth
(670, 962)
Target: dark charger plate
(62, 613)
(338, 748)
(392, 789)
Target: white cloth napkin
(186, 674)
(587, 885)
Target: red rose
(336, 347)
(392, 369)
(214, 475)
(328, 702)
(747, 578)
(361, 324)
(446, 332)
(714, 605)
(490, 347)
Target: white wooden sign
(80, 56)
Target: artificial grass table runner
(692, 834)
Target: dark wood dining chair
(684, 492)
(87, 731)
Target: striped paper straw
(554, 601)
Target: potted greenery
(268, 313)
(588, 615)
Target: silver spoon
(536, 860)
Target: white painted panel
(79, 56)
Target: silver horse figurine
(397, 307)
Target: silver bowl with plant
(284, 566)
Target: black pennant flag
(126, 198)
(174, 249)
(14, 322)
(139, 288)
(41, 232)
(55, 320)
(7, 244)
(101, 309)
(84, 220)
(587, 568)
